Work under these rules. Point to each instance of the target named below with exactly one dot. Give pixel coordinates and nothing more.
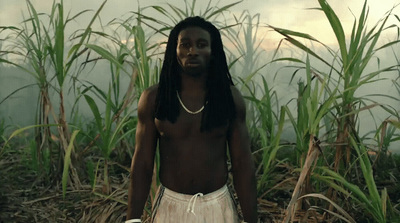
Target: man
(194, 114)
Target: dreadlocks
(220, 108)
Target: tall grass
(349, 66)
(268, 129)
(377, 204)
(247, 52)
(3, 128)
(41, 42)
(139, 52)
(331, 156)
(109, 135)
(312, 106)
(28, 43)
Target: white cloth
(214, 207)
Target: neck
(193, 83)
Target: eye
(202, 45)
(185, 45)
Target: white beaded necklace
(186, 109)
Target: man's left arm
(242, 163)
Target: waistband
(223, 191)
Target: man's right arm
(143, 158)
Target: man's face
(194, 50)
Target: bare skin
(191, 161)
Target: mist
(19, 109)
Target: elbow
(142, 169)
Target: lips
(192, 62)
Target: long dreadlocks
(220, 108)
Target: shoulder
(237, 97)
(235, 91)
(147, 100)
(150, 93)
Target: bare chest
(188, 126)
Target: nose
(192, 51)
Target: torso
(192, 161)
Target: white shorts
(214, 207)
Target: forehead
(194, 33)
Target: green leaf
(95, 110)
(106, 55)
(337, 28)
(67, 162)
(59, 45)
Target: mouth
(192, 63)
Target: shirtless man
(197, 117)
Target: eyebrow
(199, 40)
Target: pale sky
(290, 14)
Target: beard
(194, 70)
